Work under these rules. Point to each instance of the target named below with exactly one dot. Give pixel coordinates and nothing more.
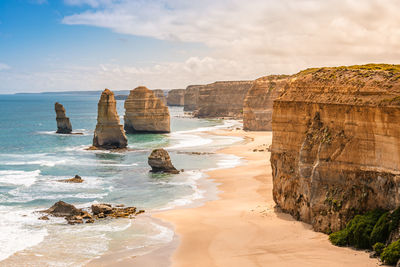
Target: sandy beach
(243, 227)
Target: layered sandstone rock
(222, 99)
(176, 97)
(336, 144)
(257, 107)
(160, 94)
(63, 123)
(144, 112)
(191, 97)
(108, 134)
(160, 161)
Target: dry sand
(242, 228)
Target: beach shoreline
(243, 227)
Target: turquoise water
(33, 158)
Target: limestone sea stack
(145, 113)
(63, 124)
(176, 97)
(258, 103)
(336, 144)
(160, 161)
(222, 99)
(109, 134)
(160, 94)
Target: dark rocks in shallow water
(101, 208)
(160, 161)
(44, 218)
(63, 124)
(62, 209)
(100, 211)
(77, 180)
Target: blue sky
(57, 45)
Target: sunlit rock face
(160, 94)
(109, 133)
(336, 144)
(222, 99)
(258, 103)
(191, 97)
(176, 97)
(145, 113)
(63, 124)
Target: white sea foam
(25, 178)
(77, 132)
(19, 230)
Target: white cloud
(4, 66)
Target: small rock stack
(160, 161)
(63, 124)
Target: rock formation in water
(109, 134)
(222, 99)
(176, 97)
(191, 97)
(160, 94)
(144, 112)
(257, 107)
(160, 161)
(63, 123)
(336, 144)
(76, 180)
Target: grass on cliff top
(373, 67)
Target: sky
(59, 45)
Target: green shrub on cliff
(391, 254)
(381, 232)
(358, 231)
(378, 248)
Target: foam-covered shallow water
(33, 158)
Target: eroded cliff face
(176, 97)
(63, 124)
(222, 99)
(336, 144)
(191, 97)
(108, 134)
(144, 112)
(258, 103)
(160, 94)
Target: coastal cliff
(160, 94)
(191, 97)
(336, 144)
(63, 124)
(176, 97)
(108, 134)
(222, 99)
(258, 103)
(144, 112)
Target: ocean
(33, 157)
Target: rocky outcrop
(108, 134)
(144, 112)
(76, 180)
(99, 211)
(160, 94)
(63, 123)
(191, 97)
(176, 97)
(222, 99)
(336, 144)
(160, 161)
(258, 103)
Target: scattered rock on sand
(160, 161)
(101, 208)
(77, 180)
